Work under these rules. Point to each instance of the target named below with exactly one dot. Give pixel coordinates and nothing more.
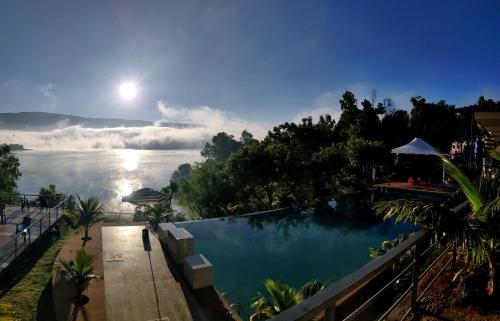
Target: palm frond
(284, 296)
(311, 288)
(470, 191)
(409, 211)
(495, 155)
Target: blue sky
(264, 61)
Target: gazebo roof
(417, 146)
(144, 196)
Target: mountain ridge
(46, 121)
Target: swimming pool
(289, 246)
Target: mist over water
(107, 174)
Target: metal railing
(324, 303)
(22, 239)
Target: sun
(128, 90)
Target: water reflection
(107, 174)
(124, 187)
(130, 159)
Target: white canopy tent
(417, 146)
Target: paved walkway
(138, 282)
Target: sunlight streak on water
(130, 158)
(106, 174)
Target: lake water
(287, 246)
(106, 174)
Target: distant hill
(45, 121)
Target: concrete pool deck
(138, 283)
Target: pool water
(289, 246)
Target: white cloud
(211, 119)
(326, 103)
(50, 99)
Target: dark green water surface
(292, 247)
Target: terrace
(23, 225)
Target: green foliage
(169, 192)
(158, 213)
(436, 123)
(182, 172)
(9, 173)
(49, 196)
(208, 191)
(282, 297)
(476, 232)
(221, 147)
(386, 246)
(304, 163)
(85, 213)
(28, 284)
(79, 271)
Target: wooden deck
(138, 282)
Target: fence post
(50, 212)
(414, 280)
(330, 313)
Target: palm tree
(386, 246)
(282, 298)
(79, 272)
(158, 213)
(86, 213)
(475, 231)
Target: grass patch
(25, 291)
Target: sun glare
(128, 90)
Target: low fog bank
(199, 124)
(78, 138)
(148, 137)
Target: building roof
(144, 196)
(490, 121)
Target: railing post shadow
(454, 258)
(414, 280)
(330, 313)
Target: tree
(208, 191)
(221, 147)
(436, 123)
(246, 138)
(169, 192)
(49, 196)
(9, 173)
(86, 214)
(259, 190)
(282, 297)
(395, 128)
(80, 272)
(158, 213)
(475, 231)
(183, 171)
